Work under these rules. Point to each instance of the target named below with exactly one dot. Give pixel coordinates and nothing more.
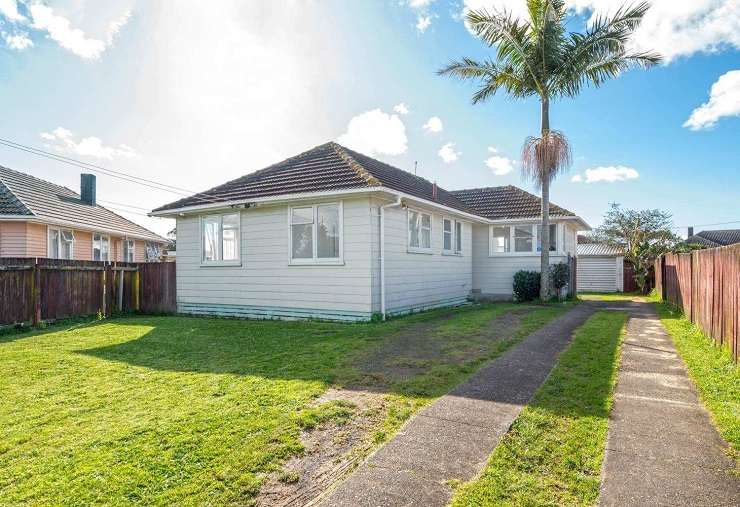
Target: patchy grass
(715, 374)
(553, 453)
(613, 296)
(177, 410)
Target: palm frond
(493, 78)
(543, 158)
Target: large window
(101, 247)
(220, 235)
(316, 233)
(128, 250)
(500, 239)
(553, 238)
(420, 230)
(523, 236)
(61, 243)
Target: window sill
(422, 251)
(221, 264)
(523, 254)
(452, 254)
(314, 262)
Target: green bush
(526, 285)
(559, 276)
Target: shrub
(559, 276)
(526, 285)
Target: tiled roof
(589, 249)
(9, 203)
(325, 167)
(47, 201)
(506, 202)
(715, 238)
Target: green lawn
(716, 375)
(612, 296)
(177, 410)
(553, 453)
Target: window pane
(426, 231)
(447, 234)
(152, 251)
(68, 235)
(501, 239)
(426, 221)
(553, 237)
(53, 243)
(413, 229)
(327, 232)
(302, 216)
(458, 236)
(66, 250)
(104, 248)
(211, 238)
(229, 248)
(523, 238)
(96, 247)
(302, 241)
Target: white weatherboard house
(334, 234)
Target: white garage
(600, 268)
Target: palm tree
(539, 58)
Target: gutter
(382, 208)
(72, 225)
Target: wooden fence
(34, 290)
(705, 284)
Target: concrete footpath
(453, 438)
(662, 447)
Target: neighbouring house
(713, 239)
(41, 219)
(335, 234)
(600, 268)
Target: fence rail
(705, 284)
(34, 290)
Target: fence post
(663, 290)
(36, 293)
(135, 289)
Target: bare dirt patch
(333, 450)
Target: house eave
(80, 227)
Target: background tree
(642, 235)
(539, 58)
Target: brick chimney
(87, 189)
(434, 191)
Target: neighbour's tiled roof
(715, 238)
(600, 249)
(506, 202)
(47, 201)
(9, 203)
(326, 167)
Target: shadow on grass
(423, 355)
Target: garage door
(597, 274)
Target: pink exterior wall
(12, 239)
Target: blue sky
(193, 95)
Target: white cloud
(9, 9)
(401, 108)
(610, 174)
(433, 125)
(423, 22)
(448, 154)
(63, 140)
(419, 4)
(498, 164)
(60, 30)
(17, 40)
(672, 28)
(374, 132)
(724, 100)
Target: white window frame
(124, 241)
(92, 246)
(314, 260)
(512, 240)
(419, 249)
(230, 262)
(557, 237)
(455, 238)
(58, 253)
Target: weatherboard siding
(417, 281)
(12, 239)
(266, 285)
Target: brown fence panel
(157, 287)
(51, 289)
(705, 284)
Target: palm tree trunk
(545, 239)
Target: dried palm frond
(543, 158)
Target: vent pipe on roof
(87, 189)
(434, 191)
(691, 231)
